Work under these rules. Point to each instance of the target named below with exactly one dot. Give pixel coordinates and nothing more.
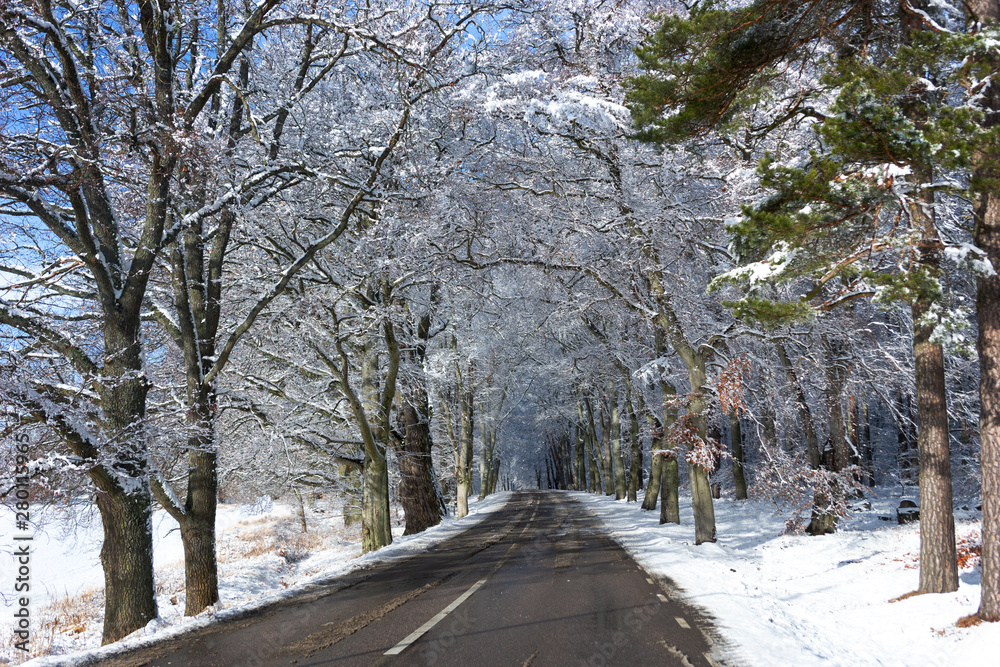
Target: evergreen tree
(862, 215)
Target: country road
(535, 583)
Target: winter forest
(410, 253)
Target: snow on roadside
(799, 600)
(253, 572)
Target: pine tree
(857, 217)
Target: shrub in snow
(262, 505)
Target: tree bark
(607, 458)
(581, 444)
(617, 462)
(418, 487)
(836, 377)
(463, 464)
(736, 435)
(988, 345)
(419, 491)
(701, 491)
(376, 528)
(986, 217)
(127, 557)
(694, 360)
(824, 513)
(201, 578)
(371, 411)
(350, 492)
(595, 475)
(124, 496)
(670, 481)
(938, 558)
(635, 470)
(655, 465)
(801, 404)
(487, 435)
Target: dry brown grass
(283, 537)
(251, 538)
(68, 616)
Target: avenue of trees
(413, 252)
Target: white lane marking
(648, 580)
(681, 622)
(423, 629)
(663, 598)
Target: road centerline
(437, 618)
(441, 615)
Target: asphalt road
(535, 583)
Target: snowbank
(263, 557)
(800, 600)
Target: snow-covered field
(800, 600)
(779, 599)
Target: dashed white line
(681, 622)
(663, 598)
(423, 629)
(440, 616)
(648, 580)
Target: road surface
(535, 583)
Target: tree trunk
(938, 559)
(836, 377)
(694, 360)
(655, 465)
(869, 451)
(802, 405)
(487, 434)
(736, 436)
(463, 466)
(350, 492)
(201, 578)
(418, 488)
(127, 560)
(595, 475)
(607, 458)
(617, 463)
(197, 520)
(824, 513)
(670, 481)
(635, 470)
(494, 474)
(419, 491)
(376, 528)
(581, 444)
(986, 217)
(595, 467)
(701, 492)
(988, 346)
(663, 464)
(124, 500)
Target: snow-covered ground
(262, 553)
(779, 599)
(800, 600)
